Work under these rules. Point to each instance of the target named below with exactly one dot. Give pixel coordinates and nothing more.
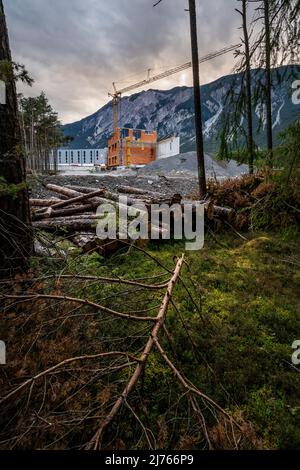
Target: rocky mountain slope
(172, 112)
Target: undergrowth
(234, 344)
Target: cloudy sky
(75, 49)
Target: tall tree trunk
(268, 81)
(197, 100)
(248, 89)
(15, 234)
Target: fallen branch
(37, 297)
(159, 322)
(191, 388)
(61, 364)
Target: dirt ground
(168, 186)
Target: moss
(248, 294)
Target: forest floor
(248, 295)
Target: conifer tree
(15, 234)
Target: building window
(84, 159)
(72, 157)
(66, 157)
(78, 154)
(59, 157)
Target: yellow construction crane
(117, 94)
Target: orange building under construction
(131, 147)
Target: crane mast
(117, 94)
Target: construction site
(129, 147)
(139, 147)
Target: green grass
(249, 298)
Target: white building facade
(81, 157)
(168, 147)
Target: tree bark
(43, 202)
(63, 190)
(248, 90)
(197, 100)
(75, 224)
(16, 239)
(51, 213)
(268, 81)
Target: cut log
(109, 195)
(68, 223)
(211, 210)
(50, 213)
(82, 189)
(224, 213)
(77, 199)
(89, 243)
(42, 250)
(44, 202)
(132, 190)
(71, 193)
(82, 224)
(74, 218)
(145, 196)
(86, 241)
(63, 190)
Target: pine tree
(248, 87)
(280, 36)
(268, 83)
(15, 235)
(41, 131)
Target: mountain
(172, 112)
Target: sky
(75, 49)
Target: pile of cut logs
(73, 211)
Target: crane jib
(116, 95)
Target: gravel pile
(185, 164)
(170, 175)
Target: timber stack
(73, 210)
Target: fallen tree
(102, 384)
